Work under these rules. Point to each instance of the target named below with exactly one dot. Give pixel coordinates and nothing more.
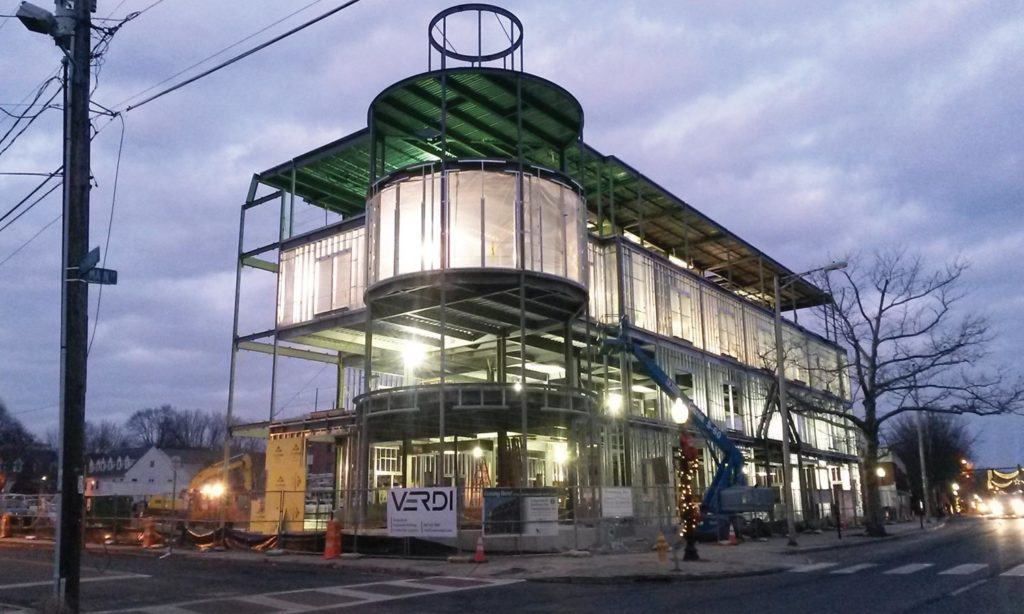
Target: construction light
(478, 452)
(880, 472)
(561, 453)
(518, 386)
(680, 413)
(212, 490)
(413, 354)
(614, 404)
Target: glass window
(343, 279)
(410, 226)
(465, 207)
(386, 233)
(324, 283)
(499, 220)
(729, 331)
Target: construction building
(475, 254)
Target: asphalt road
(968, 566)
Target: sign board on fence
(540, 515)
(501, 511)
(616, 502)
(422, 512)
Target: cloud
(809, 129)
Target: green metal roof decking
(482, 122)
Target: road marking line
(277, 604)
(963, 570)
(909, 569)
(812, 567)
(129, 576)
(1016, 571)
(855, 568)
(964, 589)
(280, 599)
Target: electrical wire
(222, 51)
(14, 139)
(30, 194)
(31, 239)
(106, 245)
(31, 117)
(243, 55)
(29, 208)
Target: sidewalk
(749, 558)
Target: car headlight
(1018, 506)
(996, 508)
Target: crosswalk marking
(812, 567)
(963, 570)
(909, 569)
(315, 599)
(854, 568)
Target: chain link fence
(515, 520)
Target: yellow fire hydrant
(661, 545)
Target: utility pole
(924, 471)
(75, 305)
(920, 447)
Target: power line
(14, 139)
(106, 245)
(31, 239)
(244, 55)
(30, 194)
(29, 208)
(225, 49)
(31, 118)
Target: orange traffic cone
(480, 557)
(332, 540)
(149, 536)
(732, 535)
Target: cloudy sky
(811, 129)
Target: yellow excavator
(206, 491)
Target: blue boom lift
(728, 492)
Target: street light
(780, 368)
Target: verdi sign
(422, 512)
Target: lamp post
(780, 368)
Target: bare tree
(104, 437)
(149, 427)
(947, 442)
(168, 427)
(12, 432)
(913, 349)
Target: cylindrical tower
(477, 271)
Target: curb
(670, 577)
(867, 541)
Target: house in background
(143, 472)
(27, 469)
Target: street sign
(107, 277)
(89, 261)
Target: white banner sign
(616, 502)
(422, 512)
